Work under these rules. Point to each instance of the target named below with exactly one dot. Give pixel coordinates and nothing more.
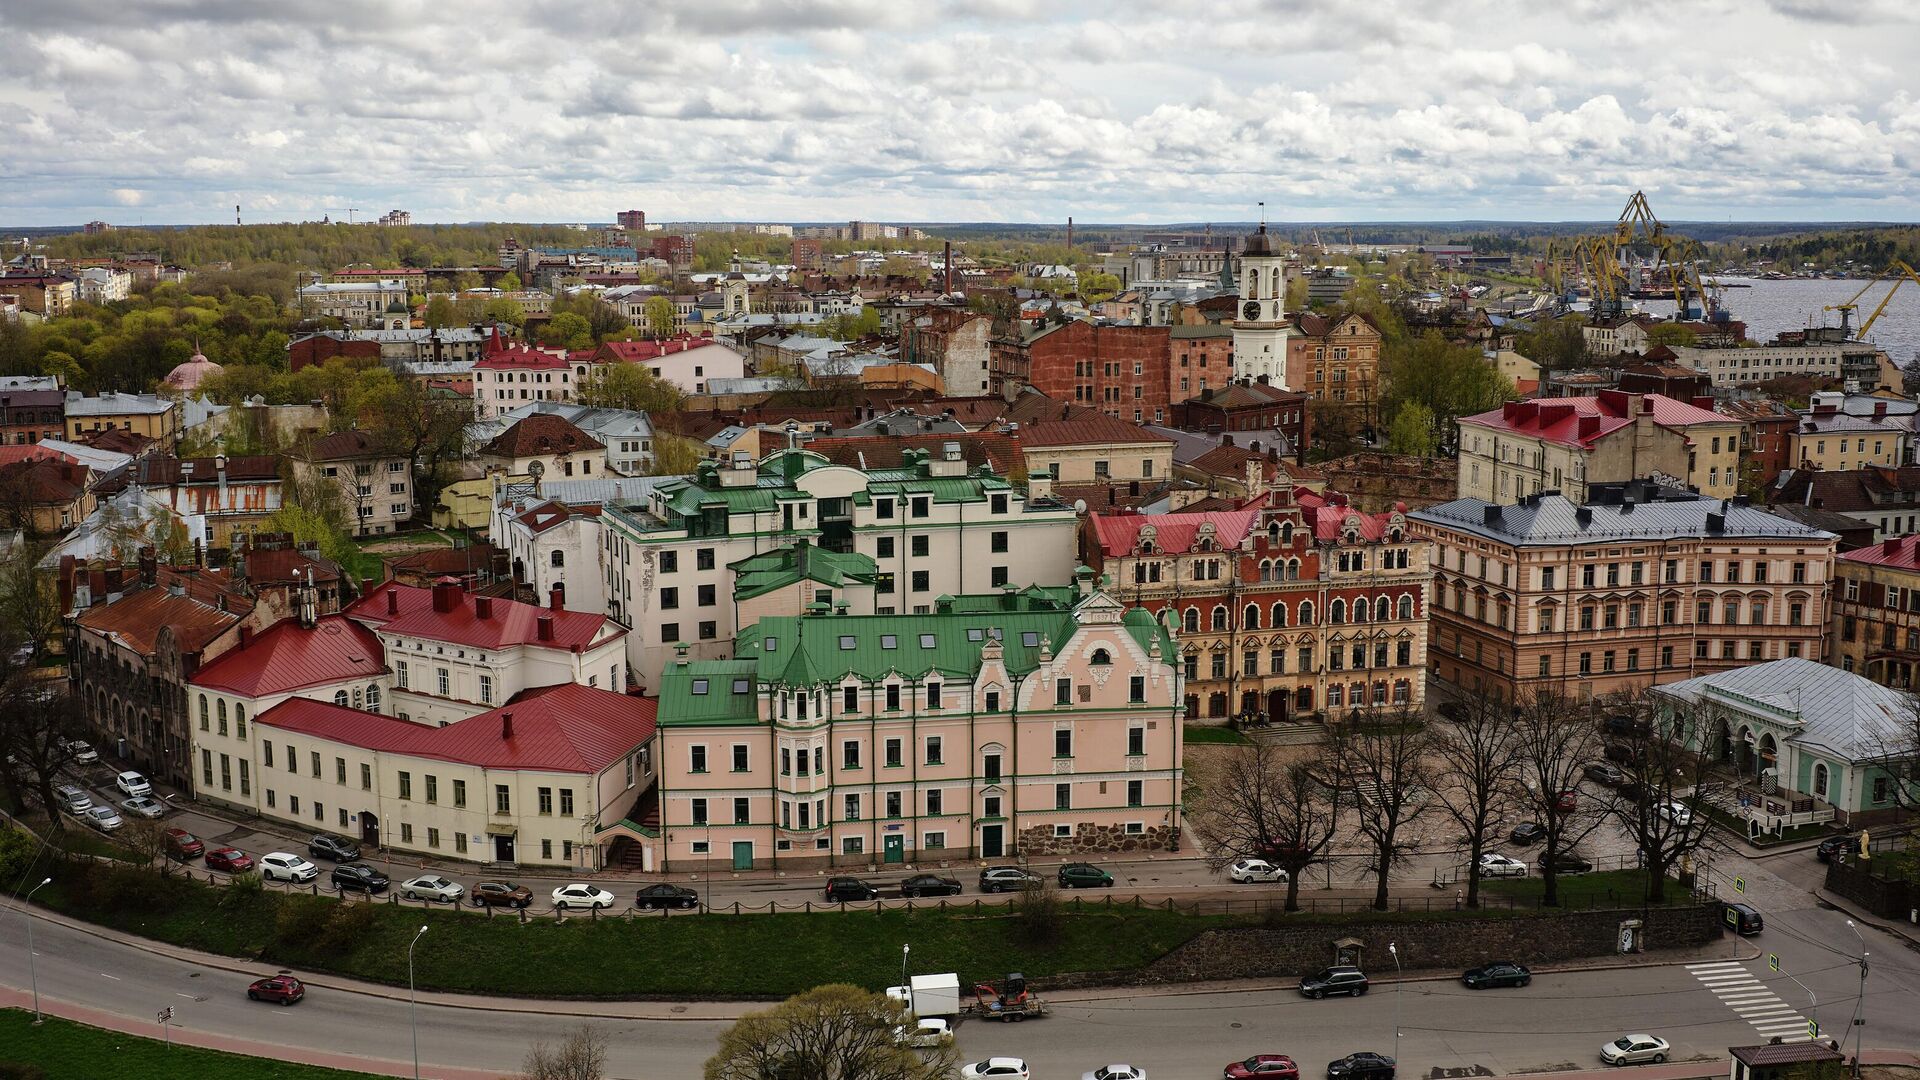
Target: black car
(333, 848)
(1528, 832)
(1498, 973)
(1835, 846)
(1625, 724)
(1006, 879)
(1566, 862)
(359, 876)
(1742, 919)
(1365, 1065)
(1334, 980)
(1081, 875)
(1602, 773)
(1621, 753)
(843, 889)
(929, 885)
(666, 896)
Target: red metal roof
(511, 623)
(1174, 534)
(1582, 421)
(519, 358)
(566, 728)
(1094, 429)
(1900, 552)
(136, 620)
(291, 657)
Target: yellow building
(143, 414)
(1836, 442)
(1565, 444)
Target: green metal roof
(766, 571)
(708, 692)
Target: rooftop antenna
(1263, 215)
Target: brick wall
(1095, 366)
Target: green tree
(674, 455)
(1555, 344)
(567, 330)
(467, 279)
(441, 312)
(832, 1032)
(1670, 334)
(659, 316)
(1449, 380)
(310, 524)
(503, 309)
(1412, 431)
(508, 282)
(629, 386)
(1096, 286)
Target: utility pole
(1859, 1002)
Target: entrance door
(503, 849)
(893, 848)
(743, 854)
(369, 829)
(992, 846)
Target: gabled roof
(1899, 552)
(135, 620)
(46, 480)
(1843, 714)
(566, 728)
(1227, 460)
(545, 516)
(541, 434)
(291, 657)
(511, 622)
(1173, 534)
(342, 445)
(1235, 395)
(766, 571)
(1094, 429)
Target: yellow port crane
(1900, 272)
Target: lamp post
(1395, 950)
(412, 1020)
(1859, 1002)
(33, 976)
(904, 950)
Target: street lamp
(904, 950)
(412, 1021)
(1859, 1002)
(1395, 950)
(33, 976)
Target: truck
(929, 995)
(1010, 1003)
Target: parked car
(1005, 879)
(132, 783)
(929, 885)
(1529, 832)
(285, 866)
(430, 887)
(666, 896)
(232, 860)
(1247, 871)
(1621, 753)
(996, 1068)
(1451, 710)
(1742, 919)
(579, 895)
(104, 818)
(1835, 845)
(1364, 1065)
(1628, 1049)
(1498, 973)
(841, 890)
(1493, 864)
(183, 845)
(1677, 812)
(500, 894)
(1627, 724)
(72, 799)
(1601, 772)
(924, 1035)
(1115, 1072)
(284, 989)
(1566, 803)
(1262, 1067)
(333, 848)
(1334, 980)
(1081, 875)
(359, 876)
(1566, 862)
(81, 753)
(143, 806)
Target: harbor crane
(1897, 270)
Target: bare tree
(37, 718)
(1556, 739)
(1662, 803)
(582, 1055)
(1263, 804)
(833, 1032)
(1479, 753)
(1381, 766)
(1894, 746)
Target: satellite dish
(1079, 506)
(536, 470)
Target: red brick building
(1247, 407)
(1766, 435)
(808, 254)
(1123, 371)
(321, 348)
(677, 251)
(27, 416)
(1202, 359)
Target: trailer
(1011, 1004)
(929, 995)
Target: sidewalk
(1906, 931)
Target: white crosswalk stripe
(1743, 991)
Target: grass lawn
(68, 1051)
(1585, 890)
(1196, 734)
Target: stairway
(1289, 734)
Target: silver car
(433, 888)
(1629, 1049)
(72, 799)
(143, 806)
(104, 818)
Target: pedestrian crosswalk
(1744, 993)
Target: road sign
(1740, 885)
(1813, 1029)
(1773, 961)
(166, 1014)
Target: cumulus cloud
(1124, 110)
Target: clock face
(1252, 309)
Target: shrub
(300, 923)
(1038, 916)
(243, 891)
(130, 888)
(14, 1071)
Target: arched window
(1306, 613)
(1279, 615)
(203, 712)
(1360, 610)
(239, 720)
(1382, 609)
(340, 697)
(1286, 533)
(220, 711)
(559, 558)
(1819, 780)
(1191, 624)
(1406, 605)
(1333, 696)
(1250, 618)
(373, 697)
(1220, 617)
(1101, 658)
(1293, 569)
(1337, 612)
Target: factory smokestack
(946, 268)
(1069, 232)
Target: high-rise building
(631, 220)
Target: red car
(1263, 1067)
(183, 845)
(232, 860)
(284, 989)
(1566, 802)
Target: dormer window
(1100, 658)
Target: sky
(171, 111)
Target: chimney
(1879, 410)
(149, 565)
(544, 631)
(393, 601)
(1891, 545)
(483, 607)
(1490, 515)
(446, 595)
(506, 725)
(946, 265)
(1583, 515)
(220, 473)
(557, 597)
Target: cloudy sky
(172, 111)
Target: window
(699, 811)
(705, 595)
(893, 804)
(502, 799)
(850, 699)
(893, 753)
(1063, 796)
(1136, 741)
(934, 805)
(1137, 688)
(990, 767)
(697, 758)
(445, 683)
(893, 697)
(742, 811)
(883, 548)
(1063, 742)
(993, 701)
(546, 800)
(1062, 691)
(669, 599)
(933, 749)
(486, 689)
(406, 785)
(739, 757)
(1136, 792)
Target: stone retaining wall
(1091, 839)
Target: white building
(1261, 331)
(553, 546)
(103, 285)
(370, 304)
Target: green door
(894, 849)
(743, 854)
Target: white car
(438, 889)
(1115, 1072)
(82, 753)
(1628, 1049)
(1251, 870)
(143, 806)
(1677, 812)
(1496, 865)
(996, 1068)
(132, 783)
(924, 1036)
(286, 866)
(104, 818)
(578, 896)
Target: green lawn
(1597, 889)
(64, 1050)
(1197, 734)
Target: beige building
(362, 304)
(1566, 444)
(544, 443)
(1835, 442)
(1546, 596)
(156, 417)
(376, 484)
(1094, 448)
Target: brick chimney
(544, 627)
(557, 597)
(483, 607)
(393, 601)
(506, 725)
(446, 595)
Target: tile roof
(566, 728)
(1843, 714)
(1097, 429)
(1582, 421)
(1555, 519)
(541, 434)
(1174, 534)
(512, 622)
(346, 444)
(289, 657)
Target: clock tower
(1261, 331)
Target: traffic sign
(166, 1014)
(1773, 961)
(1813, 1029)
(1740, 885)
